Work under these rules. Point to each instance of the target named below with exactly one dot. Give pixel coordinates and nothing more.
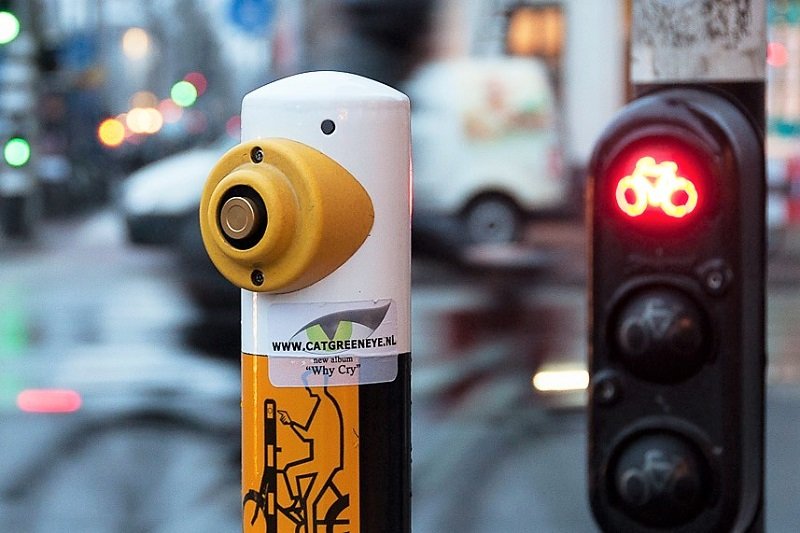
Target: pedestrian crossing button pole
(310, 216)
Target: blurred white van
(485, 144)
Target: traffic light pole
(677, 346)
(310, 216)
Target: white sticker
(686, 40)
(363, 328)
(339, 343)
(331, 371)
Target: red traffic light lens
(654, 185)
(658, 182)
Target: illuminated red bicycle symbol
(656, 185)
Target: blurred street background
(119, 343)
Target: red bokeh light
(49, 401)
(777, 55)
(198, 80)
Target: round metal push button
(238, 217)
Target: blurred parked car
(157, 198)
(486, 144)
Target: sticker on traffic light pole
(303, 455)
(333, 343)
(301, 436)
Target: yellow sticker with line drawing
(300, 459)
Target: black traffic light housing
(676, 206)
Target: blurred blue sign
(252, 16)
(79, 51)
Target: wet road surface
(154, 445)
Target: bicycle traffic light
(676, 195)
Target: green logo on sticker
(344, 330)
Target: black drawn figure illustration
(297, 489)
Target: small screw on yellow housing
(277, 215)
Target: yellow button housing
(277, 215)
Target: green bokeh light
(17, 151)
(9, 27)
(183, 93)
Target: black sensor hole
(328, 126)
